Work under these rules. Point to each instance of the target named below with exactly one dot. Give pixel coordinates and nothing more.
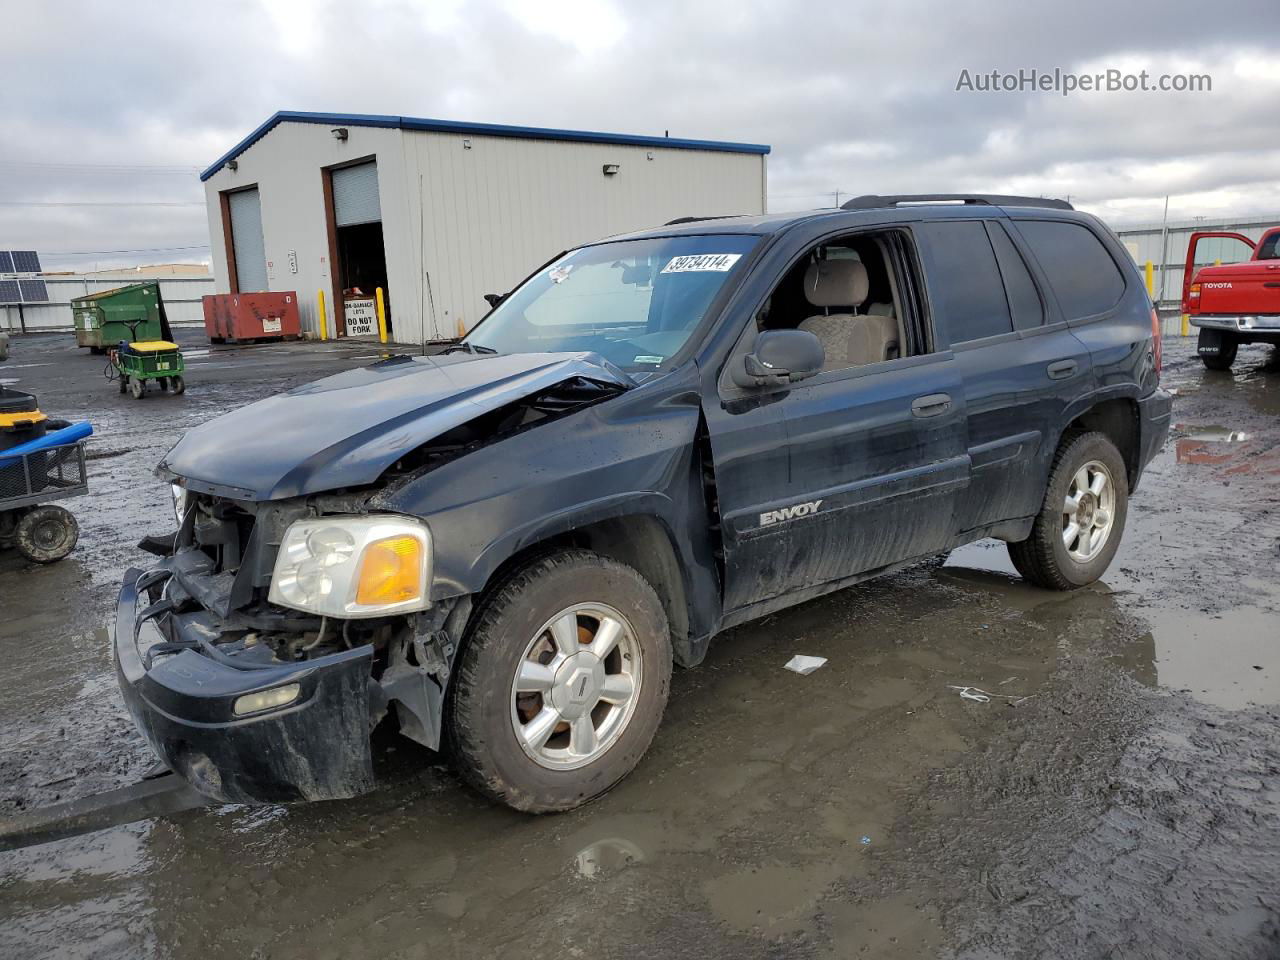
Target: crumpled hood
(345, 430)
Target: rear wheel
(45, 534)
(1077, 532)
(1217, 349)
(179, 385)
(561, 682)
(137, 387)
(124, 383)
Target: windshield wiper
(467, 348)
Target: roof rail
(871, 201)
(723, 216)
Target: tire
(164, 384)
(124, 383)
(45, 534)
(1228, 346)
(508, 629)
(137, 387)
(179, 385)
(1044, 558)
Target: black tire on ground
(137, 387)
(164, 384)
(1042, 558)
(480, 729)
(45, 534)
(124, 383)
(97, 351)
(1224, 359)
(179, 385)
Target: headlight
(181, 497)
(354, 566)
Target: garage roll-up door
(355, 195)
(246, 240)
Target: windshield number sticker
(643, 359)
(559, 274)
(702, 263)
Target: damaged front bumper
(315, 747)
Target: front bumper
(316, 748)
(1154, 414)
(1246, 324)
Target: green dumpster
(135, 312)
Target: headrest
(836, 283)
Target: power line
(97, 253)
(101, 202)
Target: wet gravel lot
(1118, 797)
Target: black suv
(503, 548)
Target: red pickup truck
(1233, 303)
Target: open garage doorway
(355, 243)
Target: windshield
(634, 302)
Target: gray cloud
(859, 98)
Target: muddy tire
(1224, 347)
(1078, 530)
(560, 683)
(45, 534)
(137, 387)
(179, 385)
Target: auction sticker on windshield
(702, 262)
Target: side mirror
(493, 299)
(780, 356)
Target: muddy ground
(1119, 797)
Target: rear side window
(964, 282)
(1083, 276)
(1024, 299)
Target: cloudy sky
(111, 110)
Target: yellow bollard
(321, 318)
(382, 316)
(1150, 272)
(1186, 325)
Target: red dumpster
(235, 317)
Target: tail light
(1157, 350)
(1193, 299)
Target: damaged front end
(251, 701)
(272, 636)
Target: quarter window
(964, 283)
(1024, 300)
(1083, 275)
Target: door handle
(1061, 369)
(932, 405)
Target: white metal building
(1168, 253)
(440, 213)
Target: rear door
(1020, 365)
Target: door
(1211, 247)
(245, 220)
(1021, 365)
(852, 470)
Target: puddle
(1231, 661)
(1190, 431)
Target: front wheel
(1077, 532)
(561, 682)
(45, 534)
(179, 385)
(137, 387)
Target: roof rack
(723, 216)
(872, 201)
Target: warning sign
(362, 317)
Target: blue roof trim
(478, 129)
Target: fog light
(266, 699)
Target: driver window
(847, 293)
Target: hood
(347, 429)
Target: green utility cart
(135, 312)
(136, 363)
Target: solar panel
(6, 261)
(33, 291)
(25, 261)
(9, 292)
